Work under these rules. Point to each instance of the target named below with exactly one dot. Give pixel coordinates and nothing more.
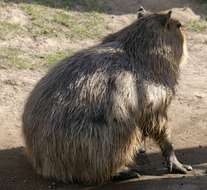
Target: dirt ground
(188, 118)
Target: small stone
(198, 96)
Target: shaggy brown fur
(84, 120)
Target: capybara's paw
(174, 166)
(188, 167)
(125, 175)
(142, 150)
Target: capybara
(85, 119)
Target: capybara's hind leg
(126, 174)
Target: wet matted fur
(84, 120)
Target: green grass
(51, 58)
(14, 57)
(197, 26)
(79, 26)
(85, 5)
(9, 30)
(59, 23)
(49, 19)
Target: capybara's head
(156, 35)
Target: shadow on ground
(188, 183)
(16, 173)
(118, 7)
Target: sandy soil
(188, 117)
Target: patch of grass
(79, 26)
(43, 22)
(9, 30)
(15, 58)
(197, 26)
(54, 57)
(84, 5)
(59, 23)
(41, 18)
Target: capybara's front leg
(174, 166)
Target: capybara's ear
(141, 8)
(141, 12)
(169, 14)
(166, 18)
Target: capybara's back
(84, 120)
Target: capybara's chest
(158, 97)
